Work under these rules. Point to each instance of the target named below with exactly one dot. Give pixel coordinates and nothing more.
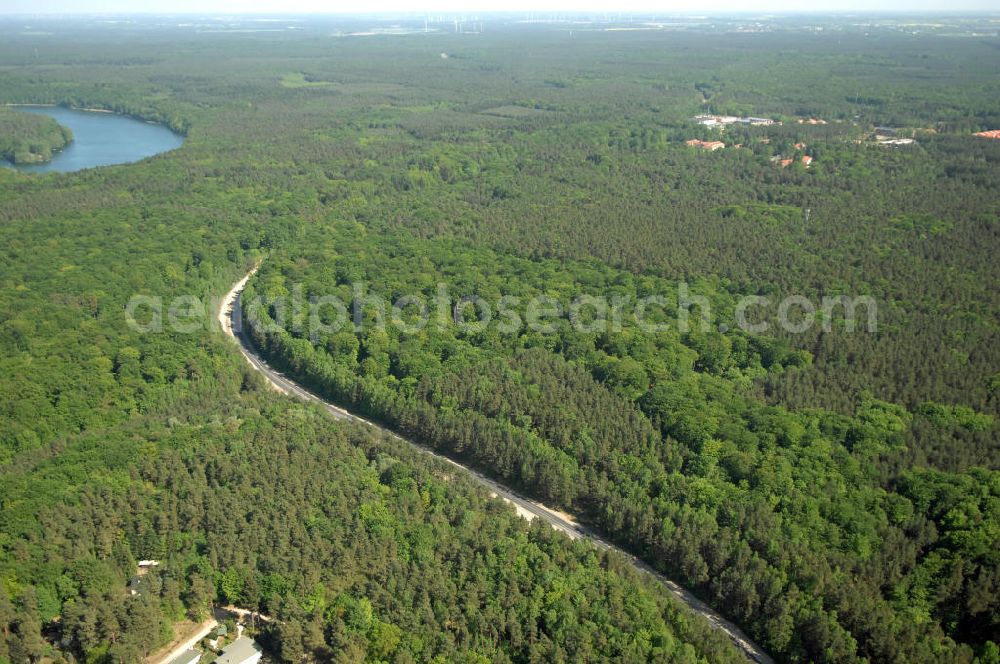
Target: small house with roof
(243, 650)
(221, 632)
(189, 656)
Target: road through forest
(230, 318)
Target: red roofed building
(806, 160)
(989, 134)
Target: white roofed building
(243, 650)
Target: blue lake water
(100, 139)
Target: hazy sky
(467, 6)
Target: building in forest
(706, 145)
(243, 650)
(890, 140)
(189, 656)
(221, 632)
(723, 120)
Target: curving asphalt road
(231, 319)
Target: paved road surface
(204, 630)
(231, 319)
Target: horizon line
(508, 12)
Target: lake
(100, 139)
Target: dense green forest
(360, 548)
(836, 493)
(658, 441)
(26, 138)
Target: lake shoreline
(101, 137)
(72, 108)
(97, 110)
